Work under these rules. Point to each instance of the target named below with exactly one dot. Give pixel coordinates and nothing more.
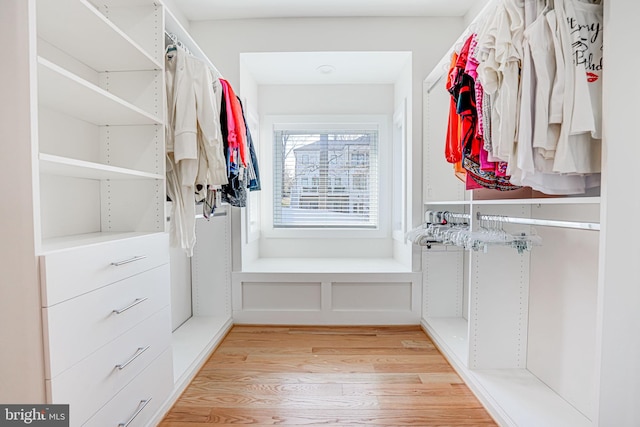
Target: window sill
(325, 265)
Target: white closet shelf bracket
(542, 222)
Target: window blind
(325, 178)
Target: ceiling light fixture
(326, 69)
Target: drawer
(72, 272)
(91, 383)
(146, 394)
(76, 328)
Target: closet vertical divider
(498, 300)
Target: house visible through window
(325, 178)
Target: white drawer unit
(72, 272)
(140, 399)
(81, 325)
(89, 384)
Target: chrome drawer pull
(133, 304)
(141, 406)
(127, 261)
(139, 352)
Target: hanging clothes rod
(542, 222)
(174, 28)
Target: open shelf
(63, 91)
(515, 397)
(451, 202)
(56, 165)
(451, 333)
(325, 265)
(535, 201)
(92, 39)
(525, 401)
(541, 201)
(193, 340)
(62, 243)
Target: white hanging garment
(579, 148)
(542, 91)
(500, 54)
(193, 140)
(586, 27)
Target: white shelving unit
(519, 328)
(63, 166)
(111, 49)
(100, 151)
(91, 116)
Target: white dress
(579, 144)
(541, 98)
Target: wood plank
(340, 359)
(432, 389)
(375, 350)
(437, 377)
(437, 366)
(317, 378)
(301, 389)
(263, 350)
(294, 366)
(316, 340)
(237, 400)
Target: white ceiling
(303, 67)
(199, 10)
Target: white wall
(427, 38)
(475, 10)
(619, 291)
(325, 99)
(177, 13)
(21, 357)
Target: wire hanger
(172, 43)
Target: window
(340, 162)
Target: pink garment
(471, 66)
(479, 109)
(485, 164)
(236, 129)
(501, 169)
(470, 184)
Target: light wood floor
(331, 376)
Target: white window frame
(270, 123)
(399, 162)
(252, 212)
